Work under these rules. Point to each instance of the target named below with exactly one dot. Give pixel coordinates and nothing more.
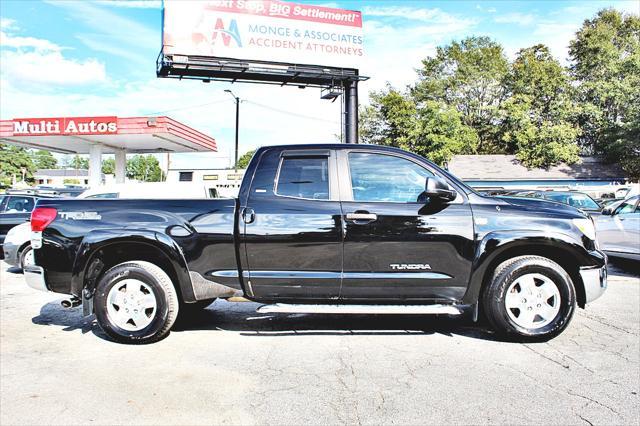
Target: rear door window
(304, 177)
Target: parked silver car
(17, 246)
(618, 229)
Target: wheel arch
(496, 248)
(101, 250)
(22, 247)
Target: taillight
(41, 217)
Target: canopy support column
(121, 165)
(95, 165)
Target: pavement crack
(584, 419)
(603, 322)
(547, 357)
(594, 401)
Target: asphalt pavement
(230, 365)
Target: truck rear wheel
(136, 302)
(529, 298)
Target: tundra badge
(405, 266)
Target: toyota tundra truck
(331, 229)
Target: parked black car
(323, 229)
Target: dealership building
(496, 172)
(105, 135)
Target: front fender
(87, 264)
(501, 244)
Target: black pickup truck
(323, 229)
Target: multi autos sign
(65, 126)
(263, 30)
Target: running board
(360, 309)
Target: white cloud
(111, 32)
(101, 43)
(38, 44)
(394, 51)
(434, 16)
(556, 35)
(515, 18)
(44, 68)
(8, 24)
(134, 4)
(30, 60)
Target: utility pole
(237, 99)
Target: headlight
(587, 227)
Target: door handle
(362, 217)
(248, 215)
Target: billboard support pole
(351, 111)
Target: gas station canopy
(78, 134)
(111, 135)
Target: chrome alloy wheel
(532, 301)
(131, 304)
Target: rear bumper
(34, 275)
(595, 282)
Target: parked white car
(17, 246)
(618, 229)
(150, 190)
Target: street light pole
(237, 99)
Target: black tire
(167, 304)
(23, 255)
(493, 300)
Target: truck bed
(203, 229)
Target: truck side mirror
(436, 187)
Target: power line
(295, 114)
(217, 101)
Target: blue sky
(98, 58)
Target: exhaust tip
(70, 303)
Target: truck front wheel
(529, 298)
(136, 302)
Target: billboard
(263, 30)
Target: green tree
(44, 160)
(76, 162)
(537, 118)
(606, 67)
(145, 168)
(109, 166)
(468, 75)
(14, 161)
(244, 160)
(426, 128)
